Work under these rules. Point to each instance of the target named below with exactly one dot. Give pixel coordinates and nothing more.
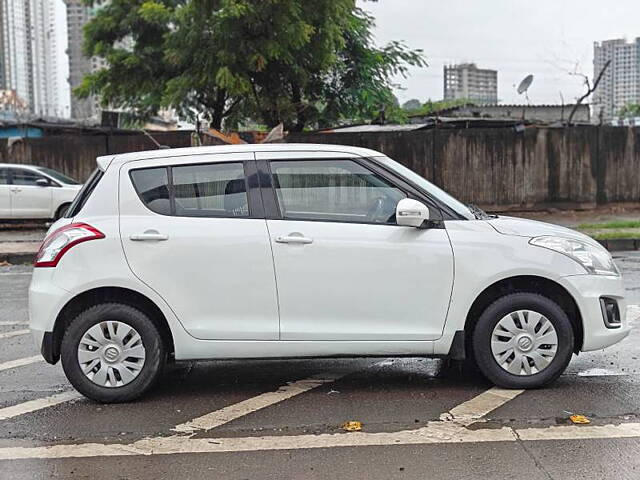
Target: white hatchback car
(32, 192)
(263, 251)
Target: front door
(345, 270)
(28, 199)
(193, 232)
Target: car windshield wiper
(479, 213)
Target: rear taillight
(58, 242)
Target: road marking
(14, 333)
(434, 433)
(11, 323)
(473, 410)
(38, 404)
(15, 273)
(20, 362)
(240, 409)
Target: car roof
(17, 165)
(107, 160)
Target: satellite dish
(525, 84)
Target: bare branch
(590, 90)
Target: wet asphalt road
(387, 395)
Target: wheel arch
(528, 284)
(103, 295)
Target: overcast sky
(546, 38)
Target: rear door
(5, 193)
(195, 233)
(28, 199)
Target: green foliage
(412, 105)
(431, 107)
(630, 110)
(300, 63)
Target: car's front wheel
(112, 353)
(523, 340)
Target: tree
(630, 110)
(413, 104)
(300, 63)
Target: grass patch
(614, 235)
(621, 224)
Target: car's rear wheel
(112, 353)
(62, 209)
(523, 340)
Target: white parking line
(10, 323)
(38, 404)
(240, 409)
(473, 410)
(434, 433)
(20, 362)
(15, 333)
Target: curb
(620, 244)
(18, 258)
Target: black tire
(151, 340)
(482, 332)
(62, 209)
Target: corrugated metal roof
(377, 128)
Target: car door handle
(294, 239)
(149, 236)
(16, 190)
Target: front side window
(4, 176)
(205, 190)
(334, 190)
(26, 177)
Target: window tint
(207, 190)
(153, 187)
(334, 190)
(210, 190)
(4, 176)
(25, 177)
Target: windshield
(429, 187)
(58, 176)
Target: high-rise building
(467, 81)
(78, 14)
(29, 46)
(620, 84)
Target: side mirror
(42, 182)
(411, 213)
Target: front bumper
(587, 291)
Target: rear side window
(152, 185)
(84, 193)
(203, 190)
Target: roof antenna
(159, 145)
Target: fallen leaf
(352, 426)
(579, 419)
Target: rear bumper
(45, 302)
(587, 291)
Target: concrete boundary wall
(501, 169)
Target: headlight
(595, 259)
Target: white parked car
(31, 192)
(262, 251)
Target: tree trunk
(218, 109)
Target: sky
(547, 38)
